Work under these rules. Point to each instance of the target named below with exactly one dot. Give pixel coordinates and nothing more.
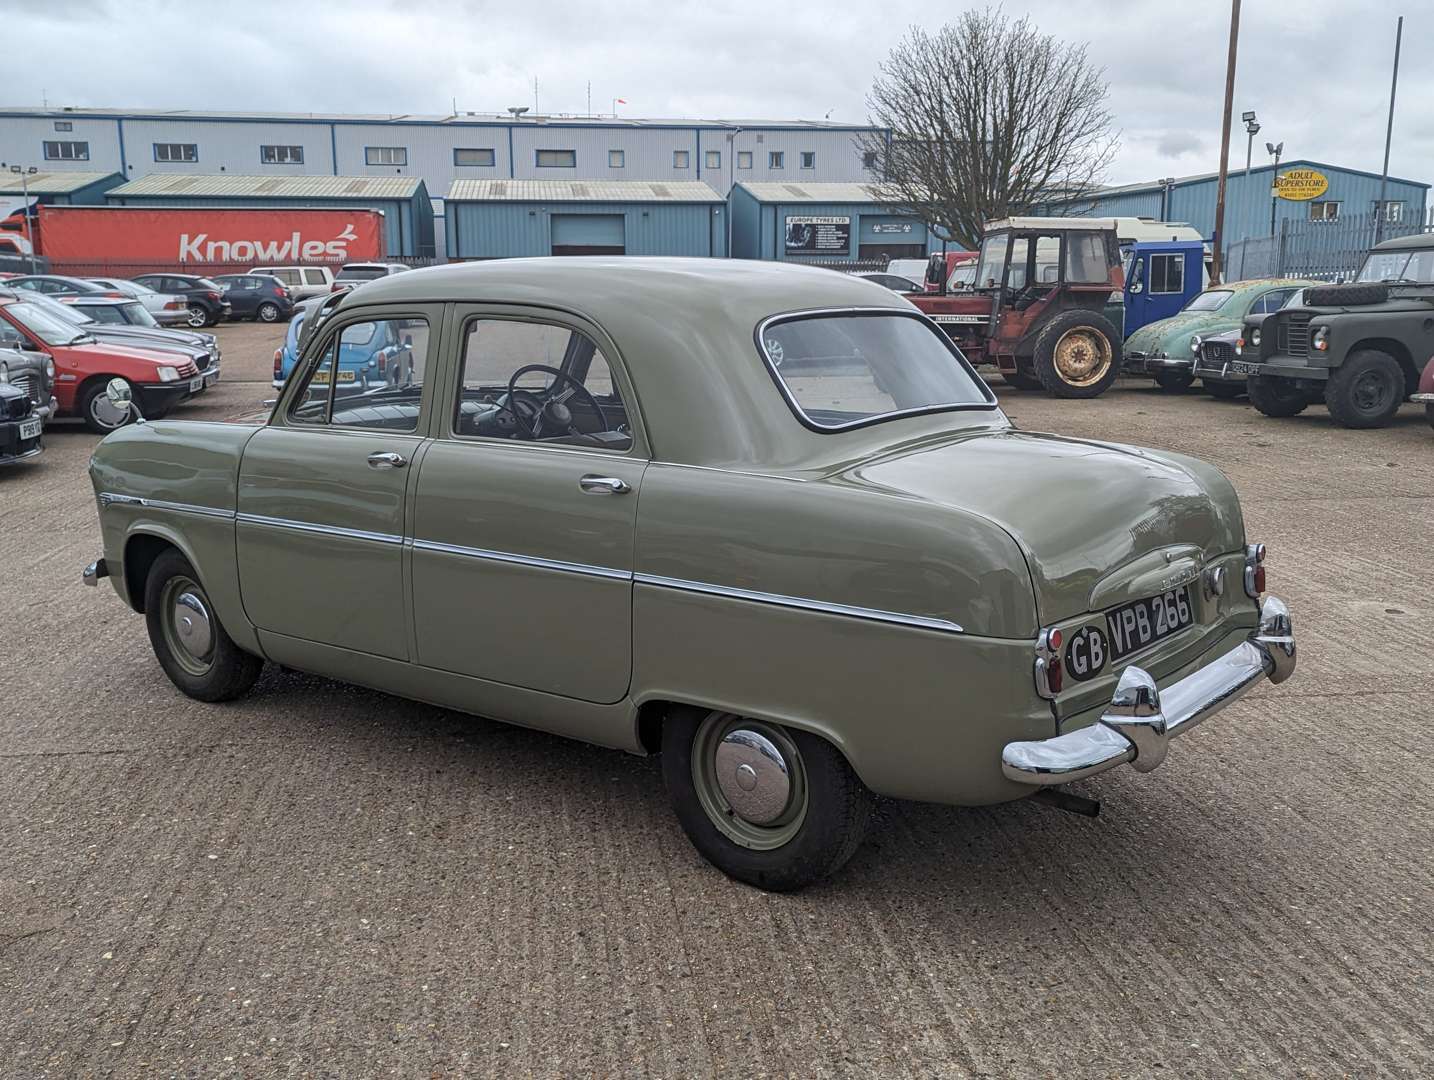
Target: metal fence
(1318, 250)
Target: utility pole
(1388, 132)
(1219, 237)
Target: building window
(1394, 211)
(809, 159)
(478, 155)
(744, 159)
(680, 159)
(64, 125)
(1324, 210)
(176, 151)
(557, 159)
(67, 151)
(385, 155)
(281, 155)
(868, 159)
(776, 160)
(616, 159)
(714, 159)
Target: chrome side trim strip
(871, 614)
(523, 560)
(321, 530)
(108, 498)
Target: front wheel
(1366, 390)
(1175, 380)
(96, 410)
(1276, 397)
(770, 806)
(1225, 391)
(197, 316)
(188, 641)
(1076, 355)
(1429, 414)
(268, 312)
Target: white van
(303, 282)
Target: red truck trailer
(87, 240)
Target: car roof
(90, 300)
(686, 331)
(1404, 243)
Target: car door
(323, 493)
(243, 295)
(523, 548)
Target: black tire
(268, 312)
(1346, 295)
(836, 814)
(1276, 397)
(227, 670)
(93, 408)
(1366, 390)
(1022, 379)
(1429, 414)
(1225, 391)
(198, 317)
(1080, 332)
(1175, 380)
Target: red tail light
(1055, 675)
(212, 295)
(1255, 570)
(278, 363)
(283, 292)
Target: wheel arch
(1395, 348)
(142, 546)
(653, 713)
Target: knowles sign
(211, 239)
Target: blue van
(1161, 277)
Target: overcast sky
(1317, 72)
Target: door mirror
(119, 393)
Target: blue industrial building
(494, 219)
(58, 188)
(403, 200)
(1248, 201)
(826, 223)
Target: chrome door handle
(603, 485)
(386, 459)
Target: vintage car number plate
(321, 378)
(1134, 626)
(196, 384)
(30, 429)
(1244, 367)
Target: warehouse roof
(1197, 178)
(638, 191)
(824, 193)
(198, 185)
(456, 118)
(50, 183)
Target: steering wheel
(547, 409)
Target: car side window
(370, 375)
(314, 277)
(1167, 273)
(538, 382)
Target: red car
(1426, 391)
(83, 367)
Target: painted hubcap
(750, 780)
(1082, 357)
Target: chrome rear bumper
(1141, 719)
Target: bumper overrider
(1141, 719)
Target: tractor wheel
(1076, 355)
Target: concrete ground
(325, 881)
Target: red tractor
(1036, 307)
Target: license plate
(196, 384)
(211, 377)
(1135, 625)
(30, 429)
(321, 378)
(1244, 367)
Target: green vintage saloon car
(762, 519)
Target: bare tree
(989, 118)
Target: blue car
(371, 355)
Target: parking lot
(324, 880)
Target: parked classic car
(763, 519)
(21, 424)
(29, 369)
(1165, 350)
(370, 354)
(1217, 357)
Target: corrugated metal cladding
(404, 202)
(773, 221)
(1247, 199)
(493, 219)
(61, 188)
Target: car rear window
(361, 273)
(1212, 300)
(847, 369)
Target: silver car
(167, 309)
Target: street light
(1275, 149)
(1252, 128)
(25, 175)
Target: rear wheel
(1366, 390)
(765, 804)
(1076, 355)
(1175, 380)
(195, 652)
(268, 311)
(1276, 397)
(197, 316)
(1225, 391)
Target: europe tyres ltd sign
(203, 238)
(818, 235)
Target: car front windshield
(1297, 299)
(46, 327)
(136, 314)
(843, 370)
(992, 261)
(1212, 300)
(1412, 266)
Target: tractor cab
(1035, 307)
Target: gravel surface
(325, 881)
